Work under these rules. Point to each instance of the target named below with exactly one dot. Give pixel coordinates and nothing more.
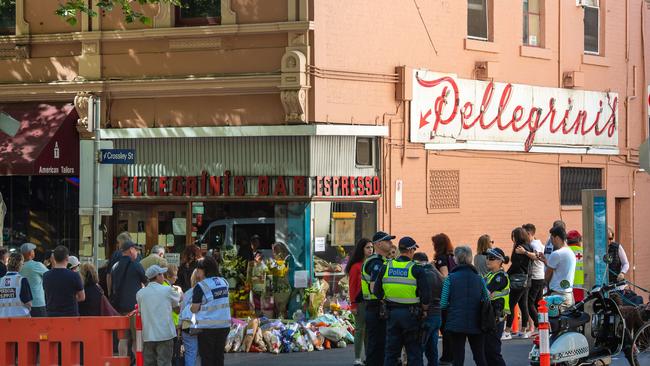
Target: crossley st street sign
(117, 156)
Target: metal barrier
(58, 341)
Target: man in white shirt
(560, 268)
(158, 331)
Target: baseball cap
(407, 243)
(154, 271)
(496, 253)
(127, 245)
(381, 236)
(73, 261)
(573, 237)
(27, 247)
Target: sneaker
(524, 335)
(358, 363)
(506, 336)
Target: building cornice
(132, 88)
(246, 131)
(160, 33)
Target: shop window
(364, 151)
(43, 210)
(8, 17)
(592, 26)
(533, 23)
(477, 19)
(198, 12)
(337, 228)
(574, 180)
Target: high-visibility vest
(174, 315)
(579, 278)
(365, 279)
(215, 307)
(10, 304)
(503, 294)
(399, 284)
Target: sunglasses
(492, 258)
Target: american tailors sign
(452, 113)
(229, 185)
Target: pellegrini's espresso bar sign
(452, 113)
(229, 185)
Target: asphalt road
(515, 352)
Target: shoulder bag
(521, 281)
(106, 309)
(488, 317)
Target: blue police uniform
(399, 284)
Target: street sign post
(117, 156)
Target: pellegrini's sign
(229, 185)
(452, 113)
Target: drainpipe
(559, 43)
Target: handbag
(106, 309)
(488, 317)
(520, 281)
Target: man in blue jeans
(433, 320)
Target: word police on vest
(398, 272)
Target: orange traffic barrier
(139, 357)
(58, 341)
(515, 319)
(544, 336)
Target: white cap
(154, 271)
(73, 261)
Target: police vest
(579, 278)
(503, 294)
(365, 279)
(10, 304)
(215, 307)
(399, 284)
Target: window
(364, 151)
(8, 17)
(198, 12)
(477, 19)
(533, 23)
(574, 180)
(592, 26)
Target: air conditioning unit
(573, 79)
(592, 3)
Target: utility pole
(94, 112)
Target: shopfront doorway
(151, 224)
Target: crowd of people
(184, 310)
(403, 302)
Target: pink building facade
(450, 101)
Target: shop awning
(38, 139)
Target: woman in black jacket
(92, 306)
(519, 274)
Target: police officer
(404, 287)
(375, 323)
(212, 307)
(15, 294)
(498, 286)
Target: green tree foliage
(71, 8)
